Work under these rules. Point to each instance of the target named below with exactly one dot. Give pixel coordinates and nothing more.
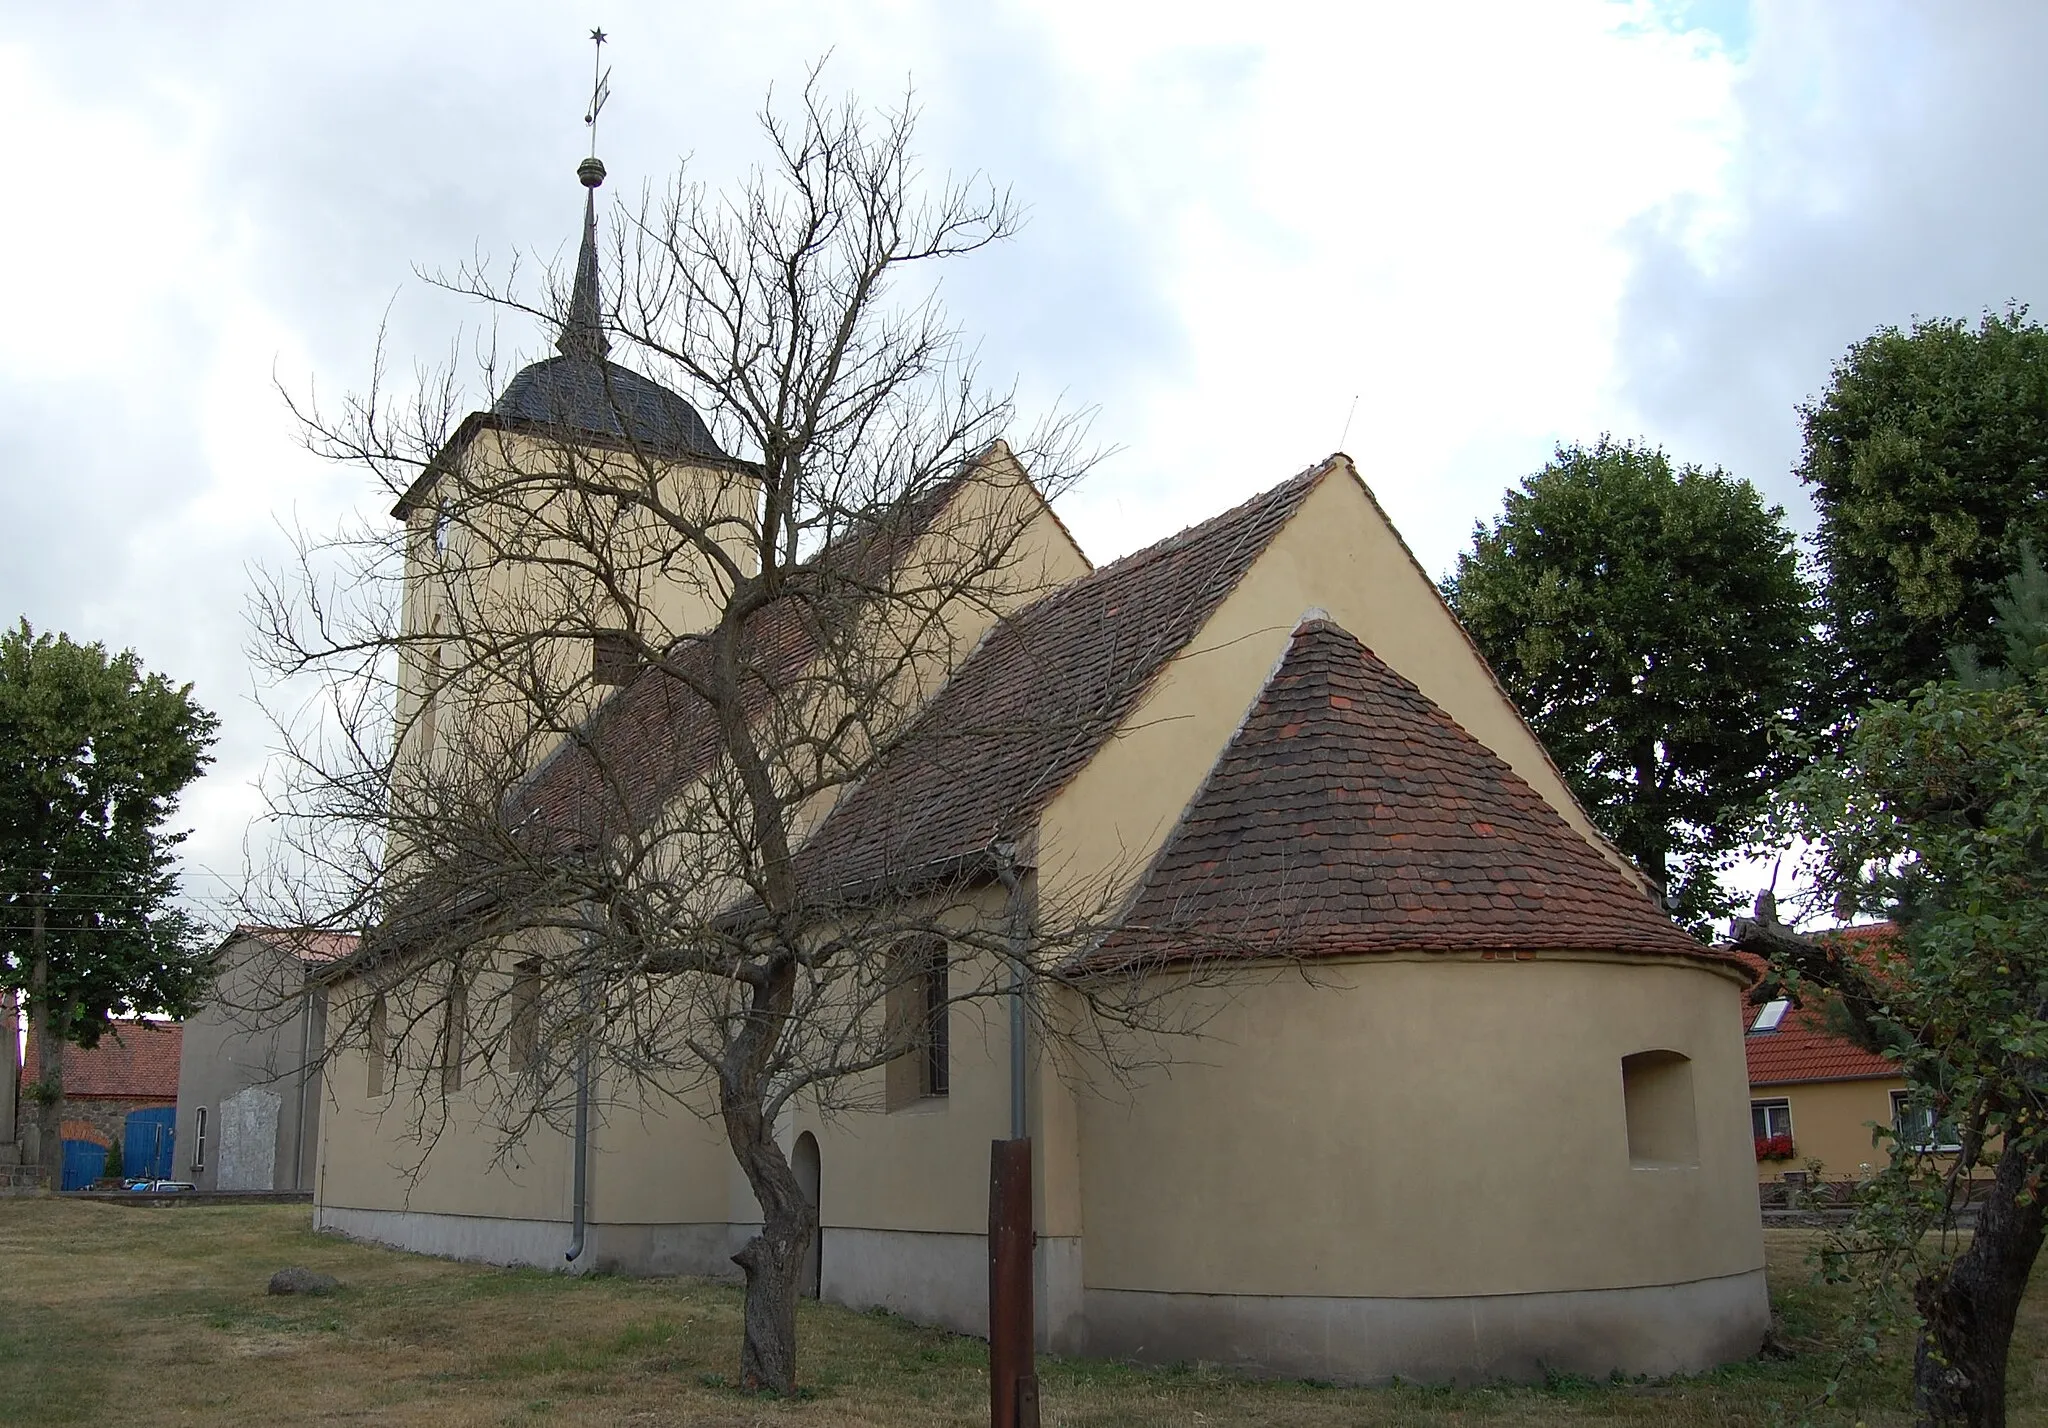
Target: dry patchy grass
(114, 1314)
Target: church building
(1478, 1109)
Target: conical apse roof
(1352, 815)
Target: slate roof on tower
(1351, 814)
(578, 395)
(581, 396)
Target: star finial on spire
(583, 330)
(600, 86)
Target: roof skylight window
(1770, 1016)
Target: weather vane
(600, 86)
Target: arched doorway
(808, 1175)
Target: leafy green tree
(1928, 458)
(1935, 814)
(93, 754)
(1652, 625)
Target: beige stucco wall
(1831, 1123)
(657, 1156)
(419, 1148)
(413, 1148)
(1426, 1126)
(520, 557)
(1338, 555)
(1400, 1127)
(925, 1165)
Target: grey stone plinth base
(1660, 1329)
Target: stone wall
(108, 1114)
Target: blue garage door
(146, 1143)
(83, 1162)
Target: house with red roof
(1815, 1095)
(1466, 1104)
(248, 1091)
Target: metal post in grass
(1012, 1372)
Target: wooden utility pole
(1012, 1326)
(49, 1055)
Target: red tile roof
(1802, 1049)
(135, 1061)
(1351, 814)
(1034, 702)
(656, 734)
(309, 945)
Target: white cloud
(1495, 225)
(1881, 168)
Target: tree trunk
(49, 1059)
(1652, 852)
(772, 1260)
(1959, 1364)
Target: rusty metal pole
(1012, 1372)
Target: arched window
(380, 1045)
(810, 1177)
(1656, 1094)
(920, 1022)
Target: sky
(1443, 237)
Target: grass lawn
(111, 1314)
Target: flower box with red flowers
(1774, 1147)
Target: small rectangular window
(199, 1138)
(919, 1020)
(523, 1031)
(454, 1025)
(1915, 1125)
(379, 1047)
(430, 696)
(1770, 1119)
(938, 1029)
(614, 657)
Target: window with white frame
(1770, 1119)
(199, 1138)
(1771, 1014)
(1914, 1122)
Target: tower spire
(583, 330)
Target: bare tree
(578, 873)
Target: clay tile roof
(309, 945)
(1802, 1049)
(1352, 815)
(135, 1061)
(1035, 701)
(655, 734)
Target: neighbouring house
(248, 1092)
(1469, 1104)
(1814, 1094)
(122, 1090)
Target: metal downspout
(580, 1193)
(305, 1055)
